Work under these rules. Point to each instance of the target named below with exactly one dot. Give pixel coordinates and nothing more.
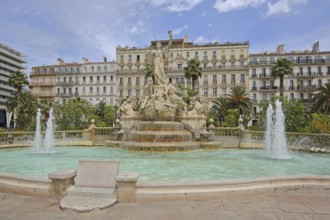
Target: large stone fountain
(163, 122)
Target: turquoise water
(194, 166)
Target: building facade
(224, 66)
(10, 62)
(92, 81)
(311, 70)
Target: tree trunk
(281, 88)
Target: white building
(10, 62)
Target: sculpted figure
(127, 107)
(160, 58)
(196, 108)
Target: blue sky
(71, 29)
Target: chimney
(105, 59)
(316, 47)
(84, 60)
(280, 49)
(185, 39)
(60, 61)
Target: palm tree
(193, 71)
(322, 100)
(280, 68)
(220, 107)
(18, 80)
(240, 99)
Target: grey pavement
(305, 203)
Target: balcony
(268, 88)
(254, 88)
(306, 88)
(305, 75)
(290, 88)
(67, 83)
(253, 75)
(265, 76)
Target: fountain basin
(224, 164)
(160, 136)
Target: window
(130, 58)
(64, 91)
(214, 65)
(205, 79)
(223, 65)
(301, 71)
(214, 56)
(264, 97)
(233, 79)
(97, 90)
(137, 58)
(254, 72)
(91, 79)
(309, 71)
(104, 90)
(319, 83)
(137, 81)
(179, 66)
(171, 55)
(319, 70)
(196, 55)
(105, 68)
(214, 79)
(92, 69)
(129, 81)
(215, 92)
(232, 65)
(121, 93)
(205, 92)
(58, 91)
(254, 97)
(224, 91)
(129, 93)
(111, 90)
(254, 85)
(291, 96)
(205, 55)
(111, 78)
(291, 87)
(99, 69)
(105, 79)
(223, 79)
(121, 81)
(137, 92)
(242, 78)
(205, 66)
(98, 79)
(91, 90)
(121, 58)
(187, 55)
(70, 91)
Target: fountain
(48, 143)
(164, 122)
(275, 140)
(37, 136)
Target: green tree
(193, 71)
(280, 68)
(296, 119)
(105, 113)
(74, 114)
(220, 107)
(24, 107)
(240, 99)
(322, 100)
(231, 118)
(320, 123)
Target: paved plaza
(300, 204)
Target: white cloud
(210, 25)
(201, 40)
(176, 5)
(178, 31)
(283, 6)
(230, 5)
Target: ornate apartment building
(92, 81)
(311, 70)
(10, 61)
(224, 66)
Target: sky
(45, 30)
